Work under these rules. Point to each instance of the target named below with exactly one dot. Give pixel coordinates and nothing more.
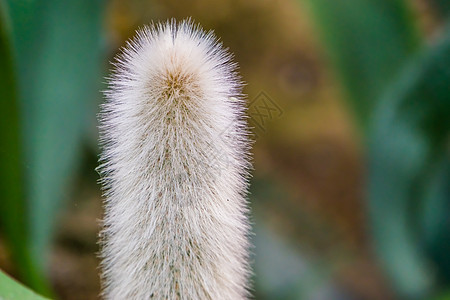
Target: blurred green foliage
(13, 216)
(371, 43)
(367, 41)
(12, 290)
(409, 175)
(443, 7)
(58, 58)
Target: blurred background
(349, 103)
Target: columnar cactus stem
(174, 169)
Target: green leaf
(443, 296)
(12, 205)
(59, 60)
(367, 41)
(408, 151)
(12, 290)
(436, 221)
(442, 7)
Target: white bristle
(174, 170)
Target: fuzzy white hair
(174, 169)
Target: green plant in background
(408, 158)
(367, 41)
(408, 173)
(442, 7)
(57, 47)
(12, 206)
(12, 290)
(403, 99)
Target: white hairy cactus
(174, 170)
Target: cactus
(174, 168)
